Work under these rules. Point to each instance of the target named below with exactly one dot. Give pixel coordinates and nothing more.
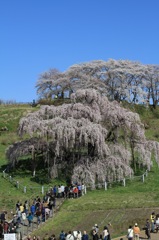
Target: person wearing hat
(153, 218)
(96, 227)
(136, 230)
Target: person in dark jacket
(95, 235)
(1, 230)
(3, 218)
(147, 229)
(62, 235)
(30, 219)
(85, 236)
(32, 209)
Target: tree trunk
(33, 162)
(132, 145)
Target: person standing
(136, 230)
(62, 235)
(1, 230)
(17, 206)
(59, 191)
(21, 207)
(153, 217)
(19, 216)
(95, 235)
(66, 191)
(26, 207)
(30, 219)
(55, 191)
(5, 227)
(52, 237)
(3, 217)
(96, 228)
(70, 236)
(23, 217)
(63, 190)
(38, 214)
(105, 233)
(147, 229)
(85, 236)
(32, 209)
(130, 233)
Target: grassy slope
(120, 206)
(9, 117)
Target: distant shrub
(55, 102)
(156, 135)
(146, 126)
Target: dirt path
(154, 236)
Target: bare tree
(152, 84)
(117, 79)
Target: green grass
(150, 119)
(119, 205)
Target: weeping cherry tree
(91, 139)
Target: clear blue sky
(36, 35)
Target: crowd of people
(41, 209)
(72, 191)
(151, 226)
(77, 235)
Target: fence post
(10, 178)
(4, 174)
(17, 184)
(146, 173)
(105, 185)
(124, 183)
(85, 189)
(42, 190)
(143, 178)
(130, 176)
(45, 216)
(25, 189)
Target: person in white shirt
(105, 233)
(23, 217)
(130, 233)
(70, 236)
(77, 235)
(62, 190)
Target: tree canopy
(91, 139)
(117, 79)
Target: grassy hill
(119, 205)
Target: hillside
(118, 205)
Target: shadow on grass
(41, 179)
